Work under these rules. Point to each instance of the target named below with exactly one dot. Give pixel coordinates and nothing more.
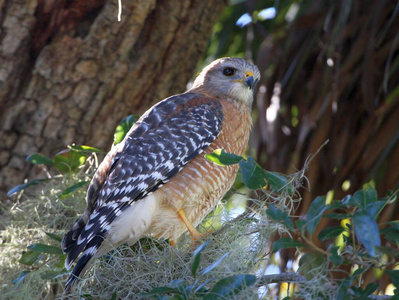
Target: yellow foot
(195, 234)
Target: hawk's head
(229, 77)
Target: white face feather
(212, 80)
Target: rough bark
(69, 72)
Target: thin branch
(119, 10)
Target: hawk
(157, 181)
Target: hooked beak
(248, 80)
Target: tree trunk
(69, 71)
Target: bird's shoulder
(156, 148)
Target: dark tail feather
(84, 260)
(69, 240)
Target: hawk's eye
(229, 71)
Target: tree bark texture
(69, 71)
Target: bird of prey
(157, 181)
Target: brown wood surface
(69, 71)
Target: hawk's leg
(194, 232)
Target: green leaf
(391, 252)
(28, 258)
(337, 216)
(391, 234)
(393, 224)
(363, 294)
(61, 262)
(370, 288)
(68, 161)
(197, 258)
(330, 232)
(278, 182)
(252, 174)
(173, 297)
(213, 265)
(374, 208)
(279, 216)
(42, 248)
(84, 148)
(23, 186)
(286, 243)
(17, 281)
(114, 296)
(335, 258)
(366, 230)
(222, 158)
(123, 128)
(310, 261)
(301, 225)
(359, 272)
(343, 288)
(160, 291)
(362, 197)
(229, 286)
(315, 212)
(73, 188)
(394, 275)
(254, 177)
(54, 274)
(39, 159)
(54, 236)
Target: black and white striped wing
(156, 148)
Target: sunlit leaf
(223, 158)
(68, 161)
(229, 286)
(123, 128)
(70, 190)
(38, 158)
(28, 258)
(83, 148)
(279, 216)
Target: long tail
(84, 261)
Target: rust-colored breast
(199, 187)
